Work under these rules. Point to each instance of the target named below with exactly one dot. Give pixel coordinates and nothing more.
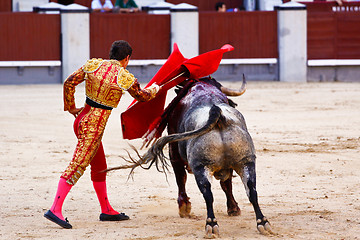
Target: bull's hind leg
(232, 206)
(181, 177)
(248, 176)
(211, 227)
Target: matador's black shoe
(117, 217)
(52, 217)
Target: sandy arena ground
(307, 138)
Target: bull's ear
(215, 83)
(232, 103)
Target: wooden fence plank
(149, 35)
(253, 34)
(29, 36)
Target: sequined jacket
(105, 82)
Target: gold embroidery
(92, 65)
(141, 94)
(125, 79)
(90, 135)
(115, 62)
(101, 86)
(69, 88)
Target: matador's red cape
(140, 116)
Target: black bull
(207, 135)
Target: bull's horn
(234, 92)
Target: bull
(208, 136)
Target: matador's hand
(75, 111)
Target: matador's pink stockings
(62, 191)
(100, 189)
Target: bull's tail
(155, 153)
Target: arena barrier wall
(333, 44)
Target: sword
(173, 79)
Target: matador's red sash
(139, 116)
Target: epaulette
(125, 79)
(92, 65)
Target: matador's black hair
(120, 50)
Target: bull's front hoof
(263, 226)
(211, 228)
(185, 210)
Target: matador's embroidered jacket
(105, 82)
